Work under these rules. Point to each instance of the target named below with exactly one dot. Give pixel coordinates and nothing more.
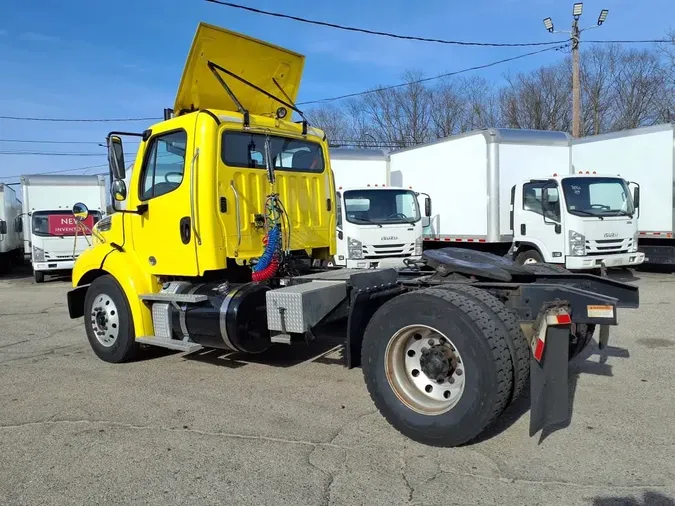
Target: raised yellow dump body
(200, 181)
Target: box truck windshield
(381, 207)
(60, 223)
(597, 197)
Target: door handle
(185, 229)
(523, 228)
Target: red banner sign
(60, 224)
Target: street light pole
(575, 36)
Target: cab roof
(256, 61)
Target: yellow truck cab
(201, 199)
(221, 236)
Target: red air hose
(267, 272)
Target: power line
(59, 171)
(644, 41)
(427, 79)
(78, 120)
(375, 32)
(33, 141)
(44, 153)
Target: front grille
(608, 246)
(374, 251)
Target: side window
(338, 209)
(18, 225)
(532, 200)
(164, 165)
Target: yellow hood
(254, 60)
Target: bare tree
(398, 116)
(596, 81)
(539, 100)
(637, 83)
(334, 121)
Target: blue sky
(123, 59)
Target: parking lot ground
(215, 429)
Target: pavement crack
(411, 489)
(299, 442)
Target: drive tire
(484, 354)
(124, 347)
(39, 276)
(529, 257)
(509, 326)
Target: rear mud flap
(549, 388)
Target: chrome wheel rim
(530, 261)
(424, 369)
(105, 320)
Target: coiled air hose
(268, 263)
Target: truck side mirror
(118, 189)
(116, 157)
(80, 211)
(427, 206)
(636, 197)
(3, 227)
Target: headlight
(104, 224)
(634, 247)
(354, 248)
(577, 244)
(38, 254)
(418, 246)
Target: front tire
(108, 321)
(463, 380)
(39, 276)
(529, 257)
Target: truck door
(341, 252)
(163, 236)
(538, 222)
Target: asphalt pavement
(296, 427)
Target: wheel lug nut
(458, 372)
(431, 342)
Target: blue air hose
(271, 248)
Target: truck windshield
(597, 196)
(242, 149)
(59, 223)
(381, 206)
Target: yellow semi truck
(228, 220)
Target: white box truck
(52, 237)
(647, 157)
(512, 192)
(11, 229)
(378, 225)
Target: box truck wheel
(107, 321)
(436, 366)
(39, 276)
(530, 256)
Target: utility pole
(575, 36)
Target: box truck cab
(52, 237)
(645, 155)
(582, 221)
(378, 225)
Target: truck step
(173, 297)
(171, 344)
